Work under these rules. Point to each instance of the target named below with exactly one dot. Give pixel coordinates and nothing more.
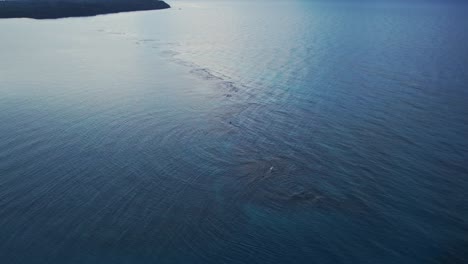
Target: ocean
(237, 132)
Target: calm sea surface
(237, 132)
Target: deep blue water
(237, 132)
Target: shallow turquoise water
(222, 132)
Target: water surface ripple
(237, 132)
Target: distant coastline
(62, 9)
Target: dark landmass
(61, 8)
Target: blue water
(237, 132)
